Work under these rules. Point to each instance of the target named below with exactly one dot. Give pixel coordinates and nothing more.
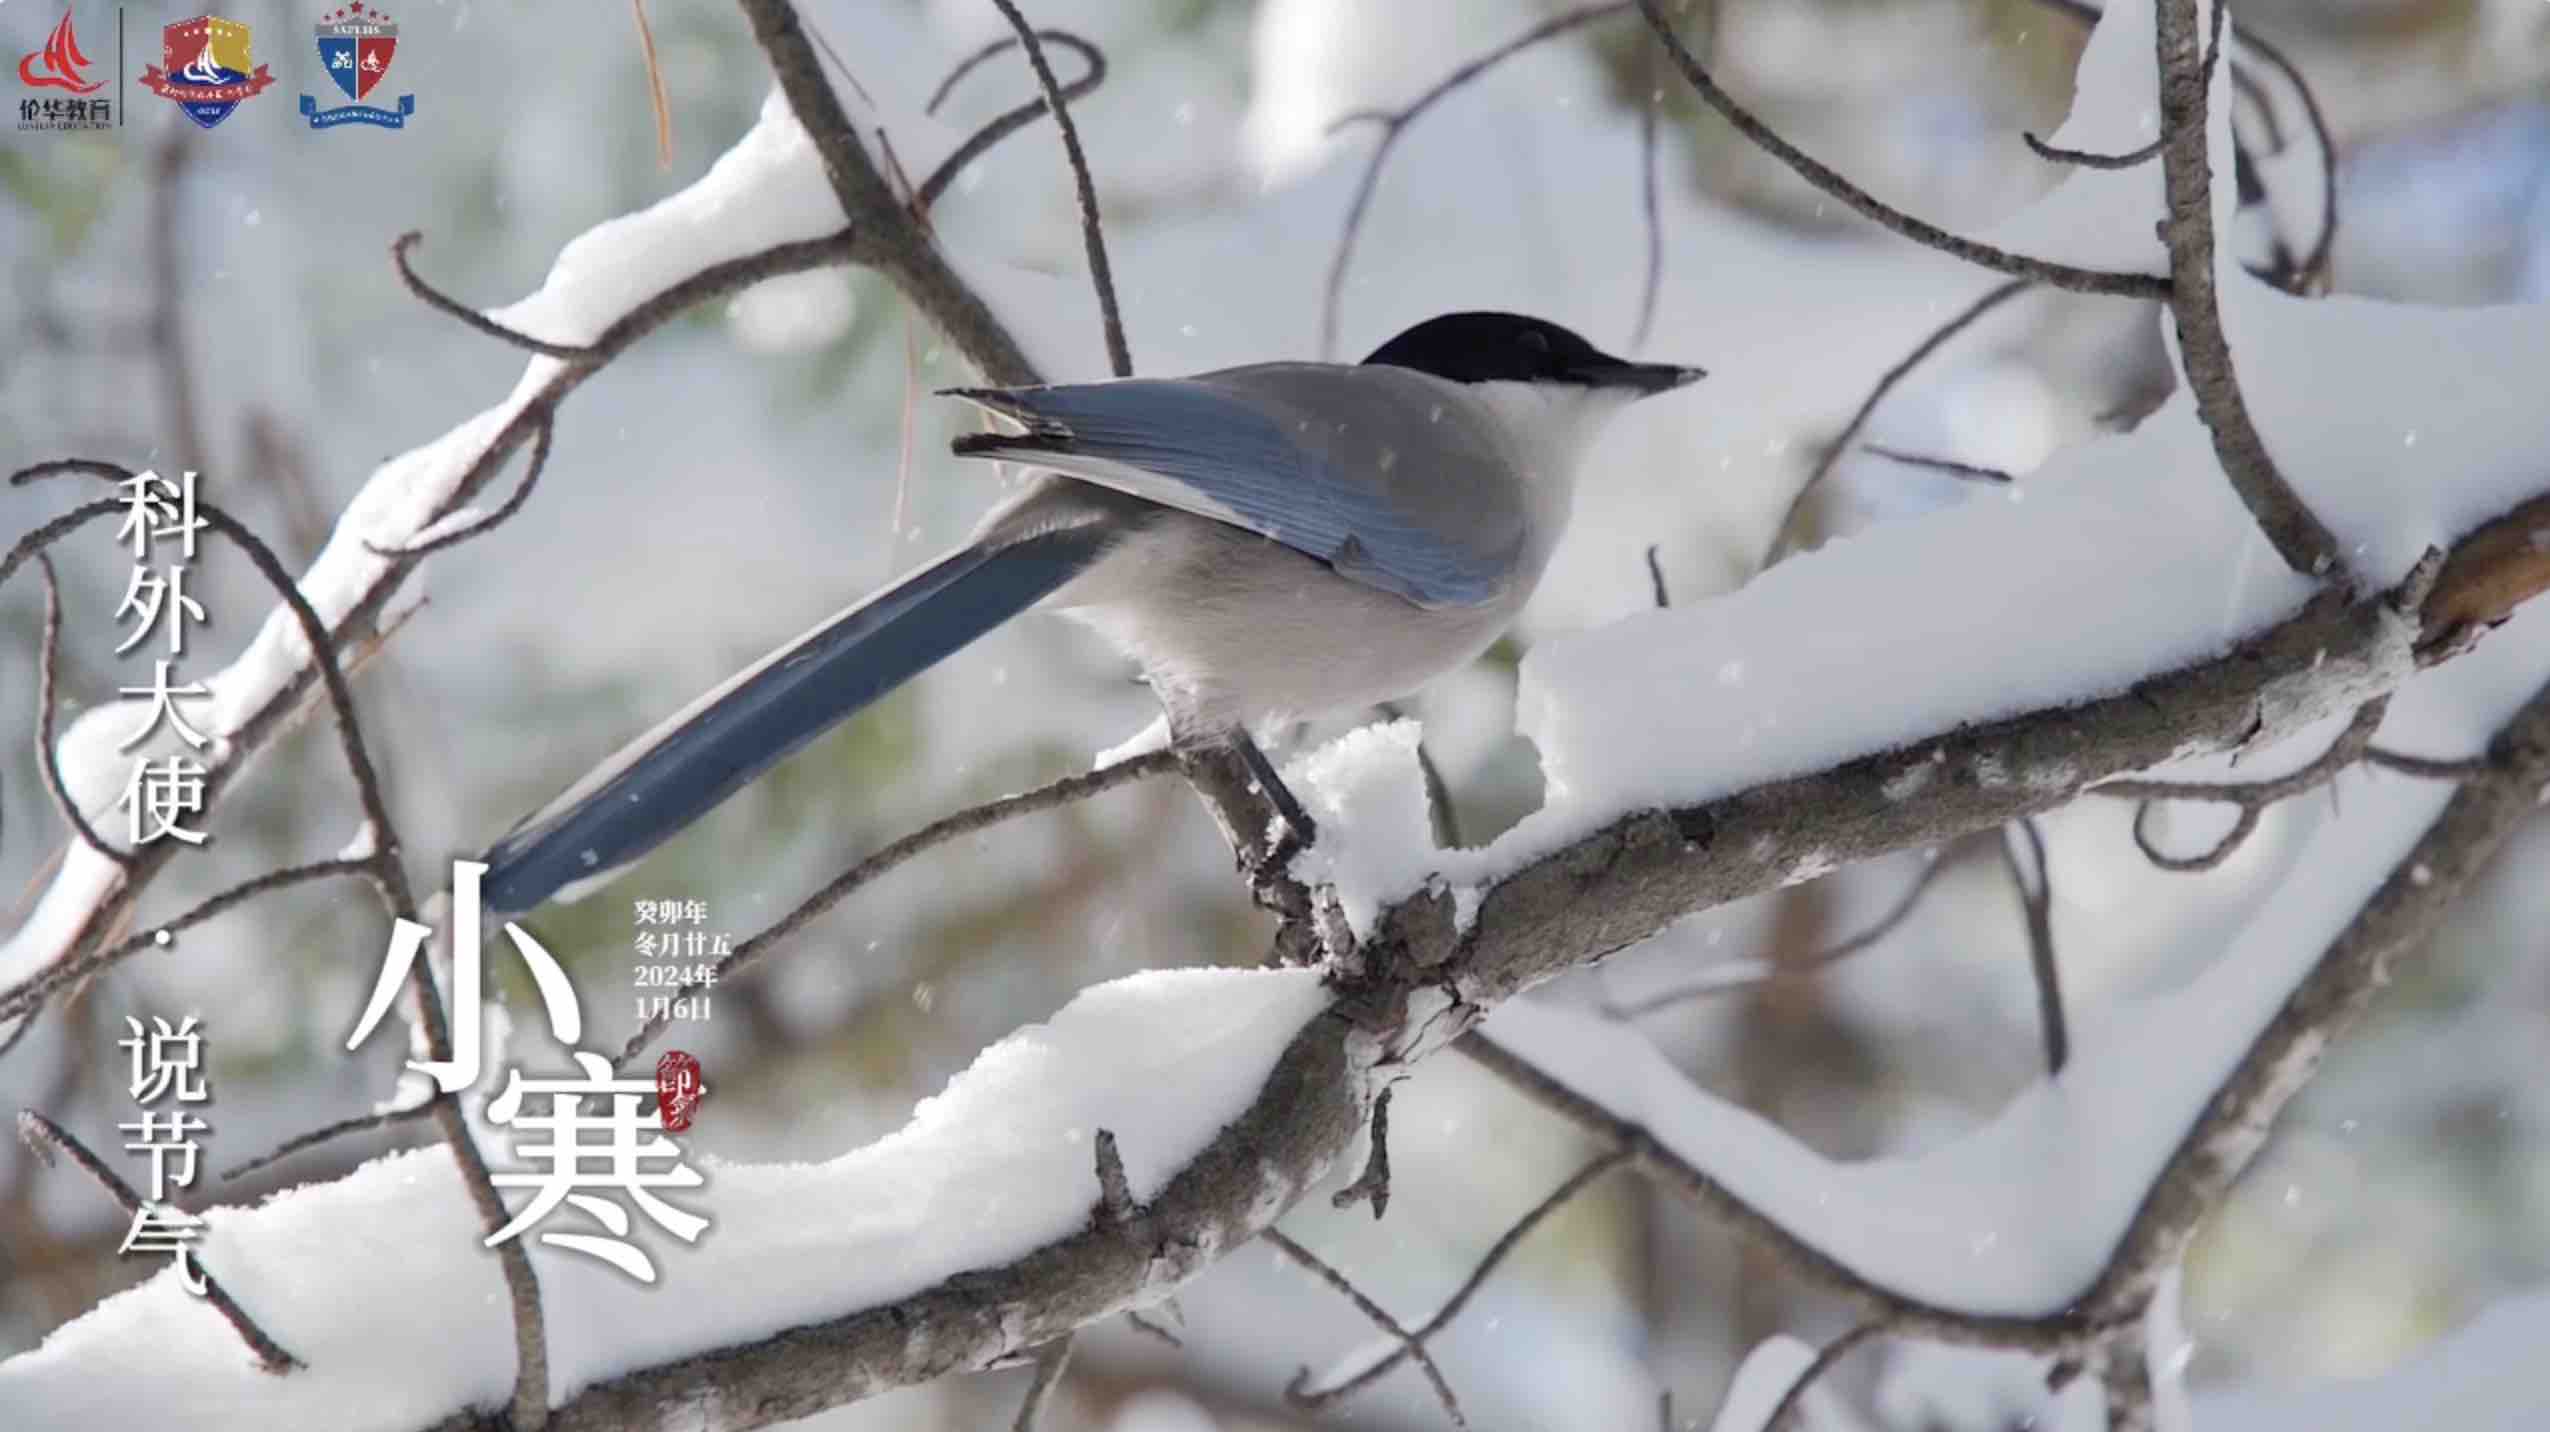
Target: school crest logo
(204, 67)
(356, 45)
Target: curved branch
(1394, 122)
(1965, 318)
(2065, 276)
(1002, 126)
(1093, 237)
(2289, 525)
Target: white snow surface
(1765, 1376)
(999, 1163)
(2018, 1216)
(2120, 558)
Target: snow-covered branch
(1694, 756)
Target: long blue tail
(671, 776)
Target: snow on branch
(1695, 755)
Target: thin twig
(1785, 1413)
(2289, 525)
(1747, 974)
(504, 512)
(936, 833)
(47, 759)
(2034, 881)
(1093, 237)
(1444, 819)
(1115, 1192)
(2142, 154)
(327, 1133)
(42, 1135)
(1394, 122)
(1989, 300)
(1011, 121)
(2312, 275)
(28, 995)
(1656, 580)
(1373, 1184)
(2426, 767)
(2064, 276)
(2087, 159)
(442, 303)
(1413, 1344)
(1051, 1359)
(2251, 798)
(1298, 1390)
(1946, 467)
(655, 87)
(1652, 283)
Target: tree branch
(2066, 276)
(2296, 533)
(45, 1136)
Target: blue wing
(1301, 453)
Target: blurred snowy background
(224, 301)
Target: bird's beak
(1649, 379)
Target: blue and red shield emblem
(356, 45)
(357, 50)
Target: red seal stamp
(677, 1089)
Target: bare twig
(29, 995)
(655, 86)
(1011, 121)
(1944, 466)
(1445, 820)
(2033, 879)
(504, 512)
(442, 303)
(1989, 300)
(1092, 236)
(2065, 276)
(1785, 1413)
(1748, 974)
(2296, 533)
(1413, 1344)
(43, 1136)
(1652, 283)
(938, 832)
(1298, 1391)
(2251, 798)
(2312, 274)
(1656, 580)
(2426, 767)
(1051, 1359)
(327, 1133)
(2086, 159)
(2142, 154)
(1152, 1330)
(1115, 1193)
(1373, 1184)
(1393, 123)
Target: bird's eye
(1536, 341)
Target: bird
(1270, 543)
